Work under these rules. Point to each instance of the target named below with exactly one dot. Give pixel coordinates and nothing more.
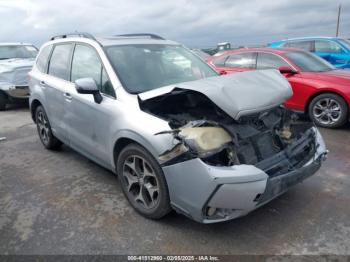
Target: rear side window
(303, 45)
(41, 62)
(268, 61)
(59, 62)
(327, 47)
(86, 63)
(244, 60)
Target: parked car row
(319, 89)
(178, 135)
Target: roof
(308, 37)
(261, 49)
(109, 41)
(127, 39)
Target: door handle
(67, 96)
(42, 83)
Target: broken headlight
(204, 140)
(199, 142)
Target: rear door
(57, 86)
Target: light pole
(339, 10)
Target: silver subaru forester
(178, 135)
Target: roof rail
(154, 36)
(79, 34)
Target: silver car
(177, 135)
(16, 60)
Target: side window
(327, 47)
(59, 62)
(268, 61)
(244, 60)
(86, 63)
(303, 45)
(220, 61)
(42, 60)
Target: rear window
(59, 62)
(42, 60)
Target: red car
(320, 90)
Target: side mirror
(222, 72)
(287, 70)
(88, 86)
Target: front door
(88, 121)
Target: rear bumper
(210, 194)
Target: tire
(3, 101)
(328, 110)
(44, 130)
(143, 182)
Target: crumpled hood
(237, 94)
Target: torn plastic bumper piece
(210, 194)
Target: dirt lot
(62, 203)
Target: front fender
(155, 145)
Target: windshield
(309, 63)
(17, 51)
(142, 68)
(345, 42)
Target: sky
(194, 23)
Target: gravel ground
(62, 203)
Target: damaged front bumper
(15, 91)
(210, 194)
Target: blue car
(335, 50)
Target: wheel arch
(33, 106)
(129, 138)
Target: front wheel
(143, 182)
(328, 110)
(44, 130)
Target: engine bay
(273, 140)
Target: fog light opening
(211, 211)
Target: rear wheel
(44, 130)
(328, 110)
(3, 101)
(143, 182)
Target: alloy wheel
(43, 125)
(141, 182)
(327, 111)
